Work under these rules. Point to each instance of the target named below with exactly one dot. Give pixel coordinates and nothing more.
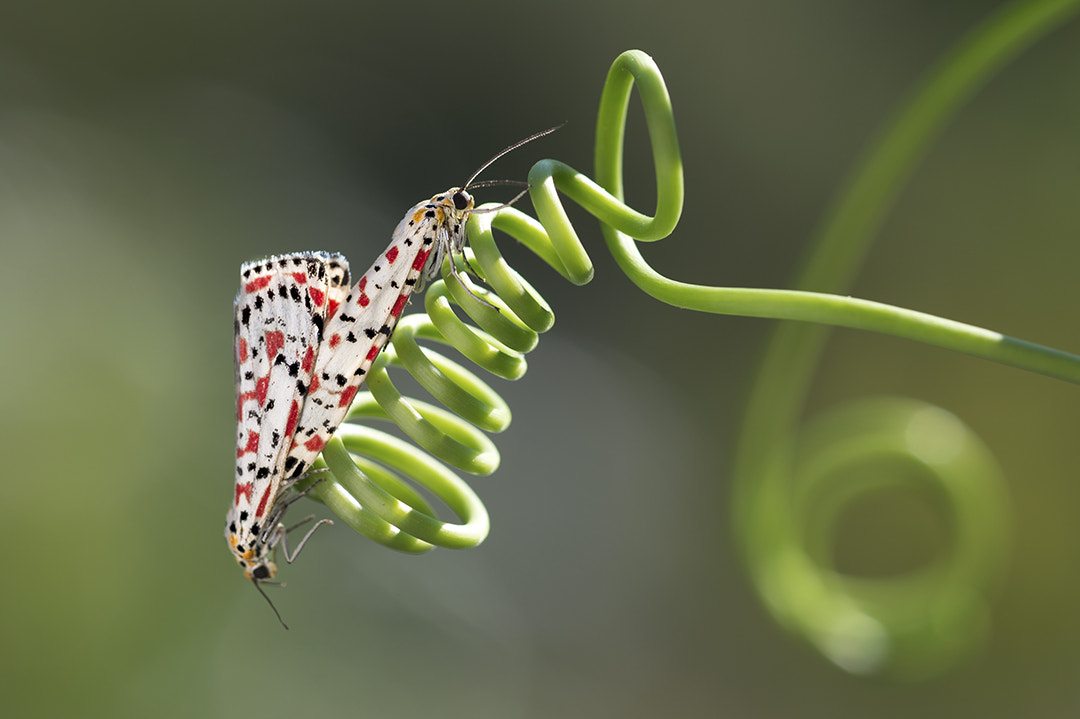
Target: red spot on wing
(362, 284)
(373, 353)
(257, 284)
(243, 490)
(261, 386)
(251, 446)
(317, 296)
(294, 415)
(309, 359)
(241, 348)
(262, 502)
(391, 254)
(399, 305)
(274, 342)
(300, 277)
(332, 309)
(314, 384)
(315, 444)
(363, 300)
(421, 259)
(348, 394)
(335, 340)
(240, 404)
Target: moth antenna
(513, 147)
(494, 183)
(504, 205)
(276, 612)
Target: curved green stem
(770, 468)
(777, 396)
(843, 239)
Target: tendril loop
(789, 488)
(912, 624)
(370, 492)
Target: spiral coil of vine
(931, 619)
(372, 471)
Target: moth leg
(273, 526)
(284, 533)
(286, 484)
(457, 276)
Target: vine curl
(928, 620)
(372, 491)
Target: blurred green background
(146, 152)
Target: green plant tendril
(883, 625)
(916, 625)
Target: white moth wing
(358, 331)
(280, 315)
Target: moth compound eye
(462, 200)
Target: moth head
(253, 555)
(462, 200)
(262, 570)
(256, 562)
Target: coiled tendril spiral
(786, 490)
(368, 486)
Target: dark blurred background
(145, 152)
